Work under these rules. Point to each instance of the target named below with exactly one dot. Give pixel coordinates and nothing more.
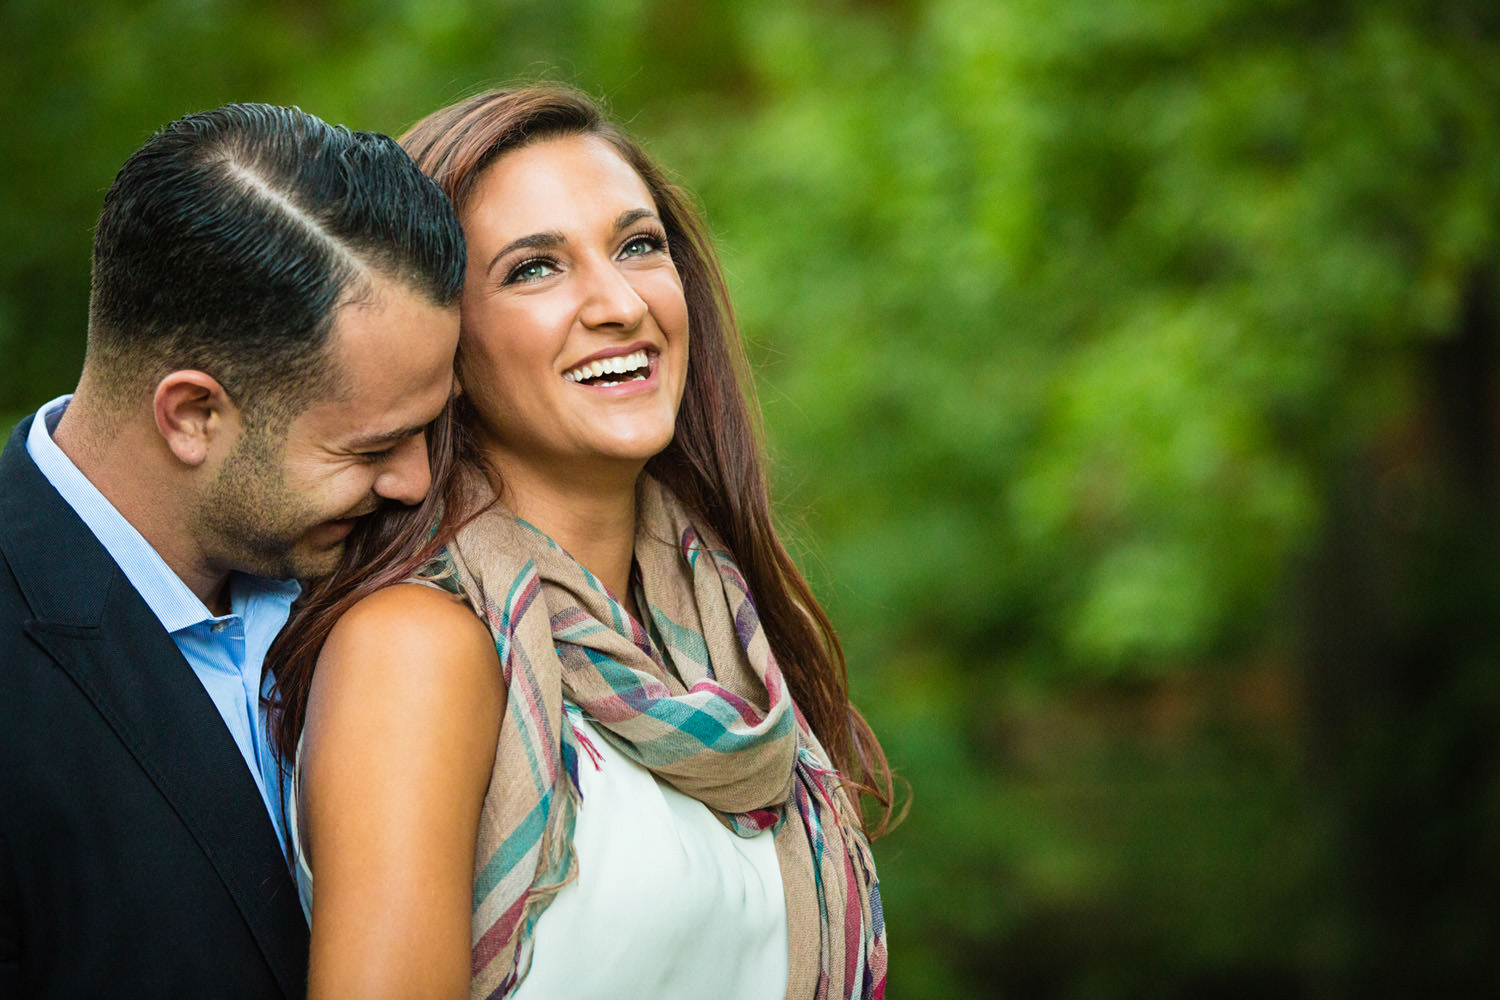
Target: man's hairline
(370, 289)
(366, 283)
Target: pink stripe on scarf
(854, 944)
(493, 939)
(749, 714)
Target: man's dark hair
(229, 240)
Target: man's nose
(406, 475)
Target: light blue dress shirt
(226, 652)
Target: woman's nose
(611, 300)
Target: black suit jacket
(136, 855)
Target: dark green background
(1130, 372)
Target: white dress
(668, 902)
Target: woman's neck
(595, 525)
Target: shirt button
(218, 626)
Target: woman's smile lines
(632, 367)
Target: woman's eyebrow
(633, 215)
(552, 240)
(536, 241)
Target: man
(272, 325)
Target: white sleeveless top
(668, 902)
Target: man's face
(282, 506)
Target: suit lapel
(99, 630)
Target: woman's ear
(192, 412)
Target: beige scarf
(700, 702)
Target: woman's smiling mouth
(605, 372)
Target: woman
(624, 775)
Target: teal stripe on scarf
(682, 642)
(515, 847)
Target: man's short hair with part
(229, 240)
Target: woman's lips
(621, 385)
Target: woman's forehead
(542, 185)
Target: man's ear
(193, 412)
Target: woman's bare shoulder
(399, 746)
(409, 618)
(408, 612)
(409, 650)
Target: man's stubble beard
(257, 525)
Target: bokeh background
(1130, 370)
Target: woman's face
(574, 349)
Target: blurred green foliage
(1130, 368)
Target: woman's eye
(639, 246)
(529, 270)
(371, 457)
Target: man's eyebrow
(536, 241)
(385, 437)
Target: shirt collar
(170, 600)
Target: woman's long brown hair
(714, 464)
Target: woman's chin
(639, 447)
(596, 458)
(638, 458)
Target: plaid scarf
(708, 713)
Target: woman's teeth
(634, 367)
